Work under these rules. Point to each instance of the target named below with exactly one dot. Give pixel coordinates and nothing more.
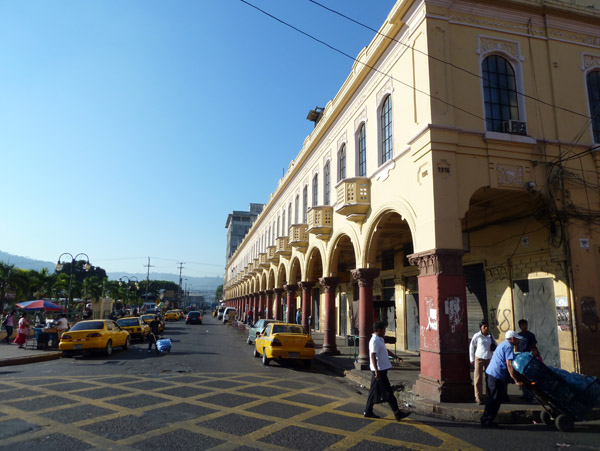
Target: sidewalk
(404, 376)
(12, 355)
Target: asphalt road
(211, 393)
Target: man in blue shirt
(500, 371)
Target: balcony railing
(320, 221)
(299, 236)
(262, 260)
(283, 247)
(272, 256)
(354, 198)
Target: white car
(220, 313)
(226, 314)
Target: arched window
(499, 93)
(342, 163)
(304, 204)
(315, 191)
(362, 151)
(283, 222)
(326, 183)
(593, 87)
(387, 151)
(297, 210)
(279, 224)
(290, 214)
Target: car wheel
(265, 361)
(108, 348)
(256, 354)
(127, 344)
(307, 363)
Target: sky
(132, 128)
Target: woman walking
(22, 331)
(9, 324)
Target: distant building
(238, 224)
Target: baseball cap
(513, 334)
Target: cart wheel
(546, 417)
(564, 423)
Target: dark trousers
(497, 389)
(151, 341)
(375, 390)
(9, 332)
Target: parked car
(193, 317)
(258, 327)
(94, 335)
(284, 341)
(148, 319)
(220, 313)
(226, 314)
(136, 327)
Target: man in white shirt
(380, 384)
(480, 353)
(62, 325)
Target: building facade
(238, 224)
(454, 177)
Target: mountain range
(201, 285)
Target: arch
(340, 245)
(295, 274)
(281, 275)
(271, 278)
(263, 281)
(315, 263)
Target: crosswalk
(222, 411)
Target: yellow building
(454, 177)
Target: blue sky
(133, 128)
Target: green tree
(219, 292)
(7, 281)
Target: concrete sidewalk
(13, 355)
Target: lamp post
(59, 266)
(129, 279)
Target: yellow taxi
(284, 341)
(94, 335)
(148, 319)
(180, 313)
(171, 315)
(136, 327)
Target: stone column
(306, 287)
(444, 337)
(329, 284)
(291, 302)
(365, 277)
(278, 299)
(261, 305)
(269, 304)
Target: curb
(31, 359)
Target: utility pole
(148, 276)
(179, 289)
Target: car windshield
(127, 322)
(193, 314)
(145, 317)
(88, 325)
(287, 329)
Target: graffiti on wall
(453, 312)
(500, 319)
(589, 314)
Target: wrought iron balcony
(320, 221)
(354, 198)
(283, 247)
(299, 236)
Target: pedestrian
(381, 390)
(9, 323)
(22, 331)
(499, 373)
(480, 352)
(299, 316)
(526, 344)
(154, 332)
(250, 317)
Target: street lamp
(129, 279)
(59, 266)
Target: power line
(341, 52)
(440, 60)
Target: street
(211, 393)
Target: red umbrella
(39, 305)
